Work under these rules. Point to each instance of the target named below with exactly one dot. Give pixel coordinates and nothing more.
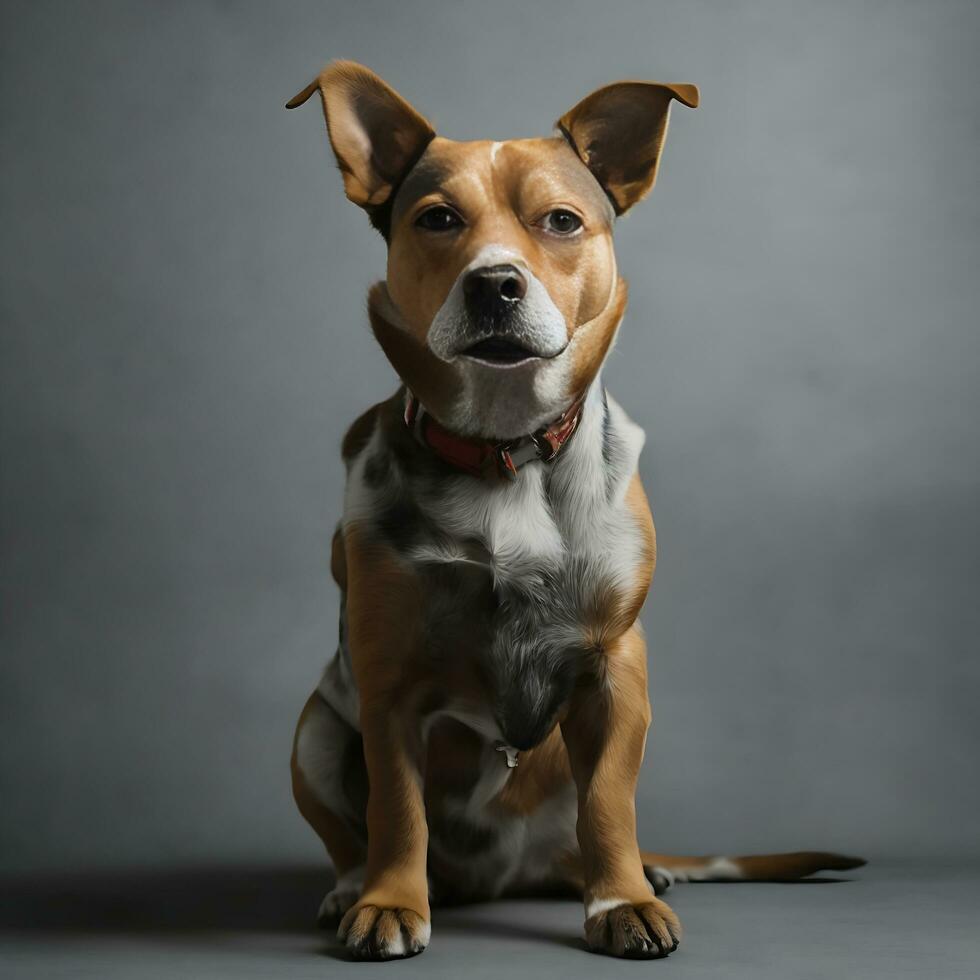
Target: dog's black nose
(493, 291)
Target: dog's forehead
(547, 164)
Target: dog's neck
(472, 402)
(487, 458)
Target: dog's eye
(439, 218)
(561, 222)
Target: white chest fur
(569, 513)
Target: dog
(480, 730)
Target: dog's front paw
(375, 933)
(647, 930)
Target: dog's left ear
(619, 131)
(376, 136)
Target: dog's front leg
(391, 918)
(605, 732)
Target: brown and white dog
(481, 728)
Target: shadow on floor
(199, 901)
(221, 899)
(269, 899)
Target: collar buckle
(520, 451)
(546, 448)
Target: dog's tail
(664, 869)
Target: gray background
(184, 343)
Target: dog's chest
(517, 579)
(523, 576)
(561, 538)
(531, 540)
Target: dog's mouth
(500, 351)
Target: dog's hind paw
(660, 878)
(375, 933)
(649, 930)
(340, 898)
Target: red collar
(483, 457)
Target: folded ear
(619, 132)
(376, 136)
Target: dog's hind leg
(330, 788)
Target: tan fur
(605, 733)
(597, 338)
(382, 607)
(432, 380)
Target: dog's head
(502, 296)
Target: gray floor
(884, 921)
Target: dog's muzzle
(492, 295)
(498, 313)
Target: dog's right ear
(377, 137)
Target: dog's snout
(498, 313)
(493, 290)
